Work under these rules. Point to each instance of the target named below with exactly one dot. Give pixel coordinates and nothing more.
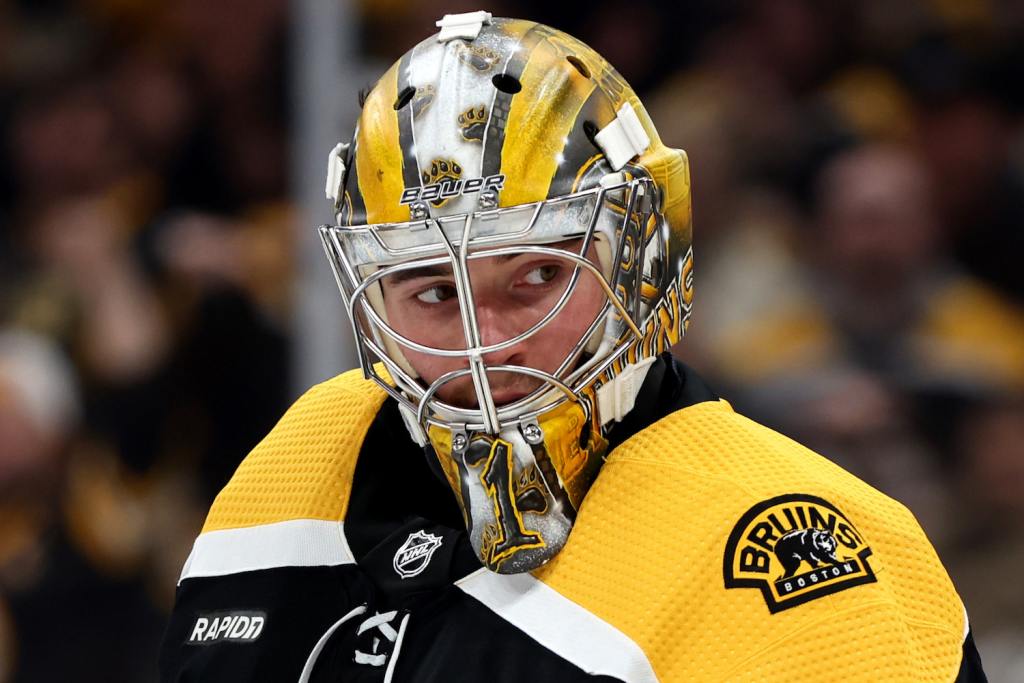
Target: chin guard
(519, 499)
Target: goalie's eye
(436, 294)
(543, 274)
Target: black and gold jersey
(710, 548)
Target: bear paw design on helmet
(478, 57)
(422, 100)
(442, 170)
(472, 123)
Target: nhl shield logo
(414, 554)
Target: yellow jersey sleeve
(728, 552)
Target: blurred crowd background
(858, 182)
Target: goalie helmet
(491, 141)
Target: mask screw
(418, 211)
(488, 199)
(533, 433)
(458, 443)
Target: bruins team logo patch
(796, 548)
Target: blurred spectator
(83, 245)
(145, 233)
(40, 409)
(867, 353)
(989, 547)
(967, 142)
(63, 140)
(48, 592)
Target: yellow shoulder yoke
(303, 468)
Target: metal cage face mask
(519, 465)
(513, 245)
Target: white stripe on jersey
(559, 624)
(295, 543)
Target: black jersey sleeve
(254, 626)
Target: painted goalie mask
(513, 245)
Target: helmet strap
(617, 396)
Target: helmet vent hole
(507, 84)
(404, 97)
(578, 65)
(590, 130)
